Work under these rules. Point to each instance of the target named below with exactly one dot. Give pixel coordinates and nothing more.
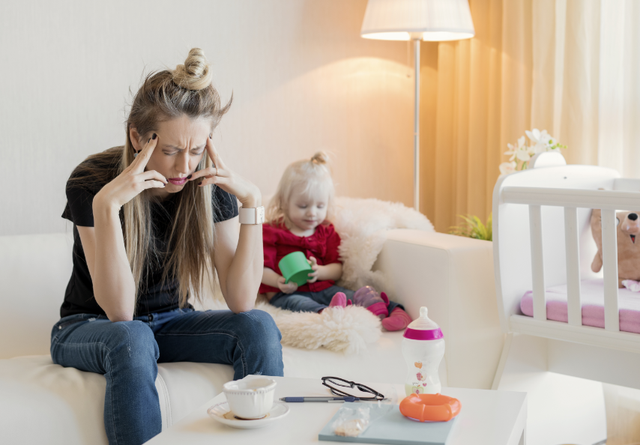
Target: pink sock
(338, 300)
(397, 320)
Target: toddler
(297, 220)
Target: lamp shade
(431, 20)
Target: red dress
(322, 245)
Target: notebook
(389, 426)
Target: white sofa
(45, 403)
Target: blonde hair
(163, 96)
(307, 176)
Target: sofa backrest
(34, 272)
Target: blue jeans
(313, 301)
(127, 353)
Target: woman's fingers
(140, 162)
(153, 174)
(151, 184)
(206, 172)
(213, 154)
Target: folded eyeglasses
(336, 385)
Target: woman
(152, 220)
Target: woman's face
(181, 146)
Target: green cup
(295, 267)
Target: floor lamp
(430, 20)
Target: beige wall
(301, 76)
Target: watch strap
(251, 215)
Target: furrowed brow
(173, 147)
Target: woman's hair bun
(320, 158)
(196, 72)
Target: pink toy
(376, 302)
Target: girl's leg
(298, 302)
(324, 297)
(249, 341)
(126, 354)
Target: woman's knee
(261, 344)
(133, 341)
(259, 326)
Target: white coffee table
(487, 417)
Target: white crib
(542, 238)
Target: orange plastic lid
(430, 407)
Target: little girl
(297, 221)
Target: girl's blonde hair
(163, 96)
(307, 176)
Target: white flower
(507, 167)
(513, 149)
(534, 135)
(541, 140)
(521, 154)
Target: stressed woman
(152, 221)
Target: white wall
(302, 77)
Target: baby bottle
(423, 349)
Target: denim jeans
(127, 353)
(313, 301)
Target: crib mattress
(592, 296)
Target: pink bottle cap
(423, 328)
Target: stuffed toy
(628, 236)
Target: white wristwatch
(252, 215)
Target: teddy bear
(628, 236)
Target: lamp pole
(416, 124)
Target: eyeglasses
(336, 385)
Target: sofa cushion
(67, 405)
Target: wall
(302, 78)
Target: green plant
(474, 228)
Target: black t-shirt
(155, 296)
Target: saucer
(220, 412)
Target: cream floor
(569, 410)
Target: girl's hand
(246, 192)
(313, 277)
(287, 288)
(133, 179)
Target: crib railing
(571, 200)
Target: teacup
(251, 397)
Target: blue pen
(319, 399)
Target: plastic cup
(295, 267)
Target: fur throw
(346, 330)
(362, 224)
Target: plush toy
(373, 300)
(628, 235)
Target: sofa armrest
(453, 277)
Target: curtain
(591, 70)
(475, 98)
(571, 67)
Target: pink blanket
(592, 297)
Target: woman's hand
(313, 277)
(133, 179)
(246, 192)
(287, 288)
